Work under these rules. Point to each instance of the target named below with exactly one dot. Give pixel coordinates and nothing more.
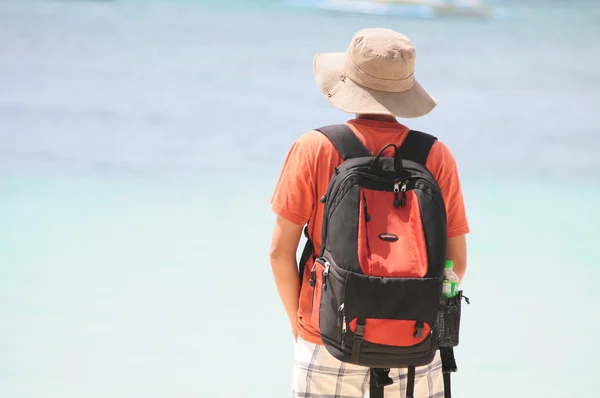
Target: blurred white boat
(408, 8)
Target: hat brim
(351, 97)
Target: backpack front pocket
(391, 240)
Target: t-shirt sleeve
(443, 166)
(294, 195)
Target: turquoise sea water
(139, 146)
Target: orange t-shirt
(305, 175)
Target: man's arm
(284, 244)
(457, 252)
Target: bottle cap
(449, 263)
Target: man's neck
(380, 118)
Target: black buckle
(381, 377)
(419, 330)
(359, 334)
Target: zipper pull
(396, 190)
(403, 190)
(313, 275)
(342, 318)
(344, 331)
(325, 273)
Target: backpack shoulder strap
(345, 141)
(416, 146)
(348, 146)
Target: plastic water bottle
(450, 284)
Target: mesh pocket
(447, 325)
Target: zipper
(342, 319)
(436, 198)
(329, 202)
(342, 186)
(325, 274)
(312, 283)
(413, 349)
(365, 209)
(340, 189)
(313, 275)
(362, 175)
(400, 186)
(403, 190)
(313, 278)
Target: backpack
(377, 281)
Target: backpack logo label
(388, 237)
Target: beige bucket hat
(374, 76)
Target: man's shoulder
(441, 161)
(313, 143)
(441, 151)
(312, 137)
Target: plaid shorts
(317, 374)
